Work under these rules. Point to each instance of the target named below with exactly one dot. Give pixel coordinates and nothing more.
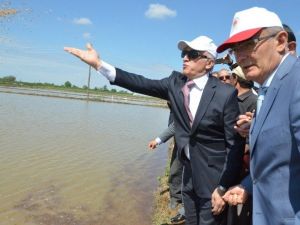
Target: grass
(162, 213)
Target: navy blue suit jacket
(215, 148)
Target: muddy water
(70, 162)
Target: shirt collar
(201, 81)
(270, 78)
(245, 95)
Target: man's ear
(292, 47)
(210, 64)
(281, 38)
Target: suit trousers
(175, 177)
(197, 209)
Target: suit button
(254, 181)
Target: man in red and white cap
(260, 46)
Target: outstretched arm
(130, 81)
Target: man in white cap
(204, 111)
(260, 46)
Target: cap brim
(182, 45)
(241, 36)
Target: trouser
(175, 177)
(198, 210)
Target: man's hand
(217, 203)
(152, 144)
(89, 56)
(236, 195)
(227, 60)
(243, 124)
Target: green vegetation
(67, 86)
(96, 94)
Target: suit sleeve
(167, 133)
(234, 143)
(247, 183)
(139, 84)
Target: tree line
(11, 81)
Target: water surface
(75, 162)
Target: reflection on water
(74, 162)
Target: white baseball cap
(201, 43)
(247, 23)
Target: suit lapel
(207, 95)
(267, 104)
(270, 97)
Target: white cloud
(82, 21)
(158, 11)
(86, 35)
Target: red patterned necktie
(186, 93)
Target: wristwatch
(221, 190)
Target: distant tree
(113, 90)
(85, 87)
(68, 84)
(8, 79)
(105, 88)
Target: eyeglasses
(250, 44)
(226, 77)
(193, 54)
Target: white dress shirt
(195, 97)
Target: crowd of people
(237, 144)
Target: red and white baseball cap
(247, 23)
(201, 43)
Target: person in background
(242, 213)
(176, 169)
(260, 46)
(246, 98)
(205, 112)
(292, 43)
(215, 74)
(162, 138)
(224, 75)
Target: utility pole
(88, 85)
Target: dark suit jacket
(215, 148)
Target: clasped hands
(234, 196)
